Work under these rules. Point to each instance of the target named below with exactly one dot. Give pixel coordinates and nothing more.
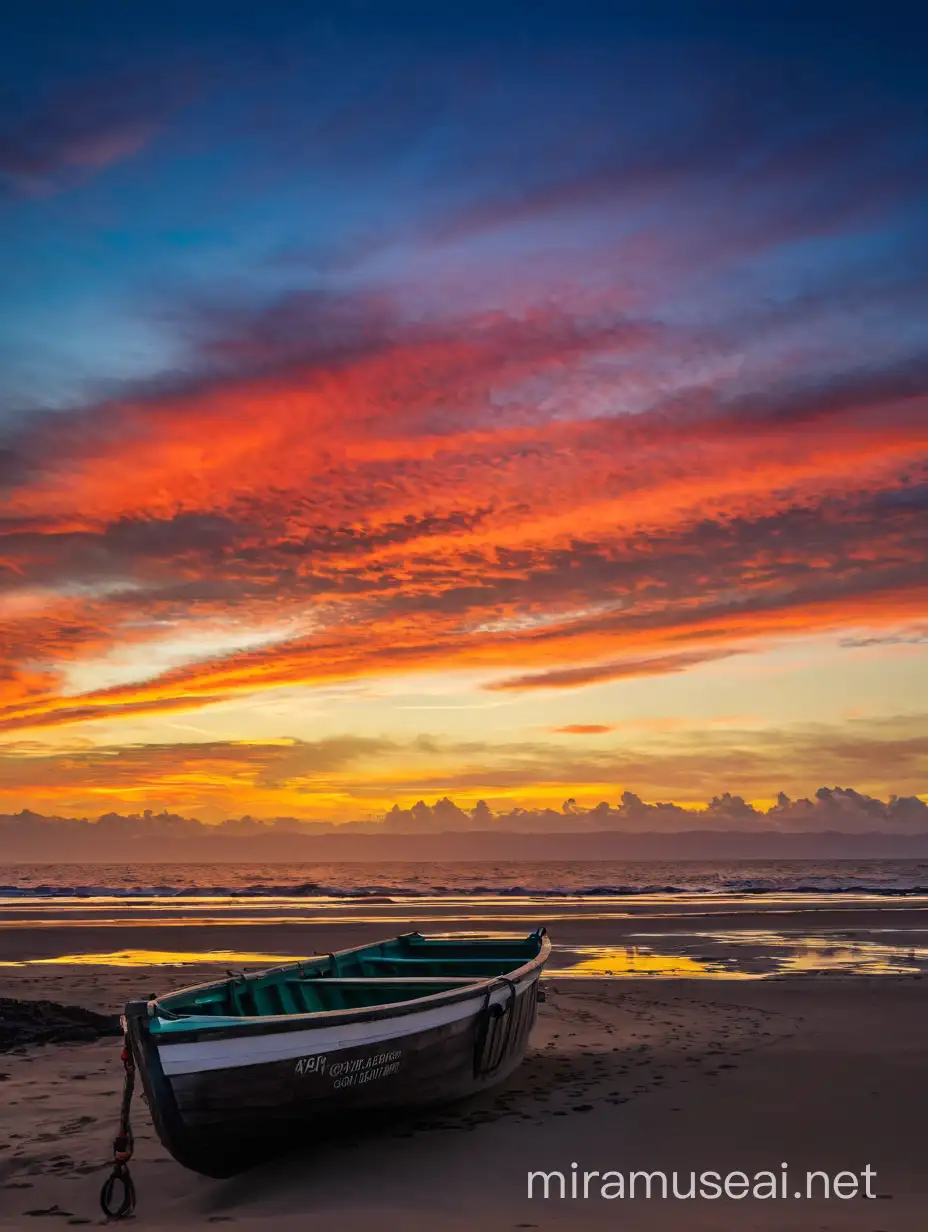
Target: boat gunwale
(237, 1026)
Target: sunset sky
(514, 402)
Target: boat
(240, 1069)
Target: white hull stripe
(233, 1053)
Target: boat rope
(122, 1149)
(512, 1014)
(493, 1049)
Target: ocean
(609, 919)
(454, 879)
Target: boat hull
(224, 1101)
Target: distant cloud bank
(837, 809)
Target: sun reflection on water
(155, 958)
(734, 954)
(742, 955)
(615, 962)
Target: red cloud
(596, 673)
(420, 496)
(584, 729)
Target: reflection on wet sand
(743, 955)
(154, 958)
(616, 962)
(734, 954)
(250, 920)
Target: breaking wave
(903, 879)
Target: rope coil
(120, 1176)
(123, 1145)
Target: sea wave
(825, 886)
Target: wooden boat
(237, 1070)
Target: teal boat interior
(402, 969)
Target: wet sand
(38, 932)
(822, 1073)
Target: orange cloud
(346, 776)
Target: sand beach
(823, 1072)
